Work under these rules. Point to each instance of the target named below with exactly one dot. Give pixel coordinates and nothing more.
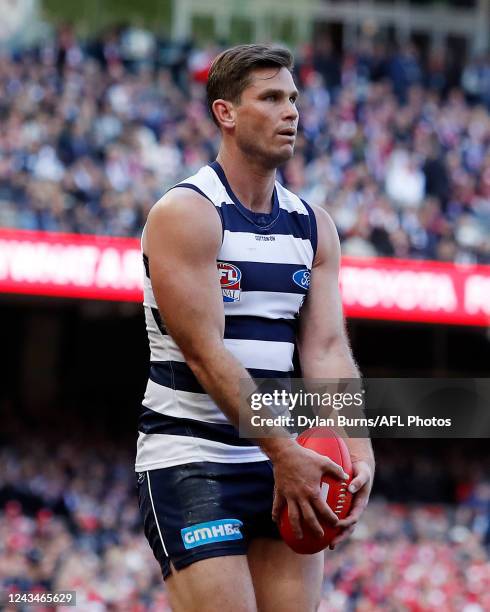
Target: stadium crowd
(69, 521)
(396, 148)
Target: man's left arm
(324, 352)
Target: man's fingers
(330, 467)
(359, 502)
(358, 482)
(358, 505)
(310, 518)
(347, 521)
(341, 537)
(277, 505)
(323, 511)
(355, 513)
(295, 518)
(358, 487)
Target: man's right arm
(182, 240)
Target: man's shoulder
(187, 210)
(185, 219)
(182, 204)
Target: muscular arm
(322, 343)
(324, 349)
(182, 241)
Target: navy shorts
(200, 510)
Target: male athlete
(228, 254)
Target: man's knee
(283, 579)
(219, 583)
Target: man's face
(267, 118)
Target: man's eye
(272, 97)
(293, 99)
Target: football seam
(342, 487)
(341, 497)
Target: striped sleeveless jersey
(264, 267)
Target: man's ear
(225, 113)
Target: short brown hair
(230, 72)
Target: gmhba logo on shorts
(212, 531)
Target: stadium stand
(396, 148)
(69, 520)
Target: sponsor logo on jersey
(212, 531)
(229, 278)
(302, 278)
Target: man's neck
(252, 184)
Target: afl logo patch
(229, 277)
(302, 278)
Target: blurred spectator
(476, 80)
(94, 132)
(437, 181)
(404, 70)
(326, 63)
(69, 520)
(405, 182)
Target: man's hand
(361, 488)
(298, 472)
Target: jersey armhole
(200, 192)
(313, 228)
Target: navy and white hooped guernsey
(264, 267)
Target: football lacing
(341, 499)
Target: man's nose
(291, 112)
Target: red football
(325, 441)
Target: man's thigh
(284, 580)
(219, 584)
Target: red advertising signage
(69, 265)
(101, 267)
(408, 290)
